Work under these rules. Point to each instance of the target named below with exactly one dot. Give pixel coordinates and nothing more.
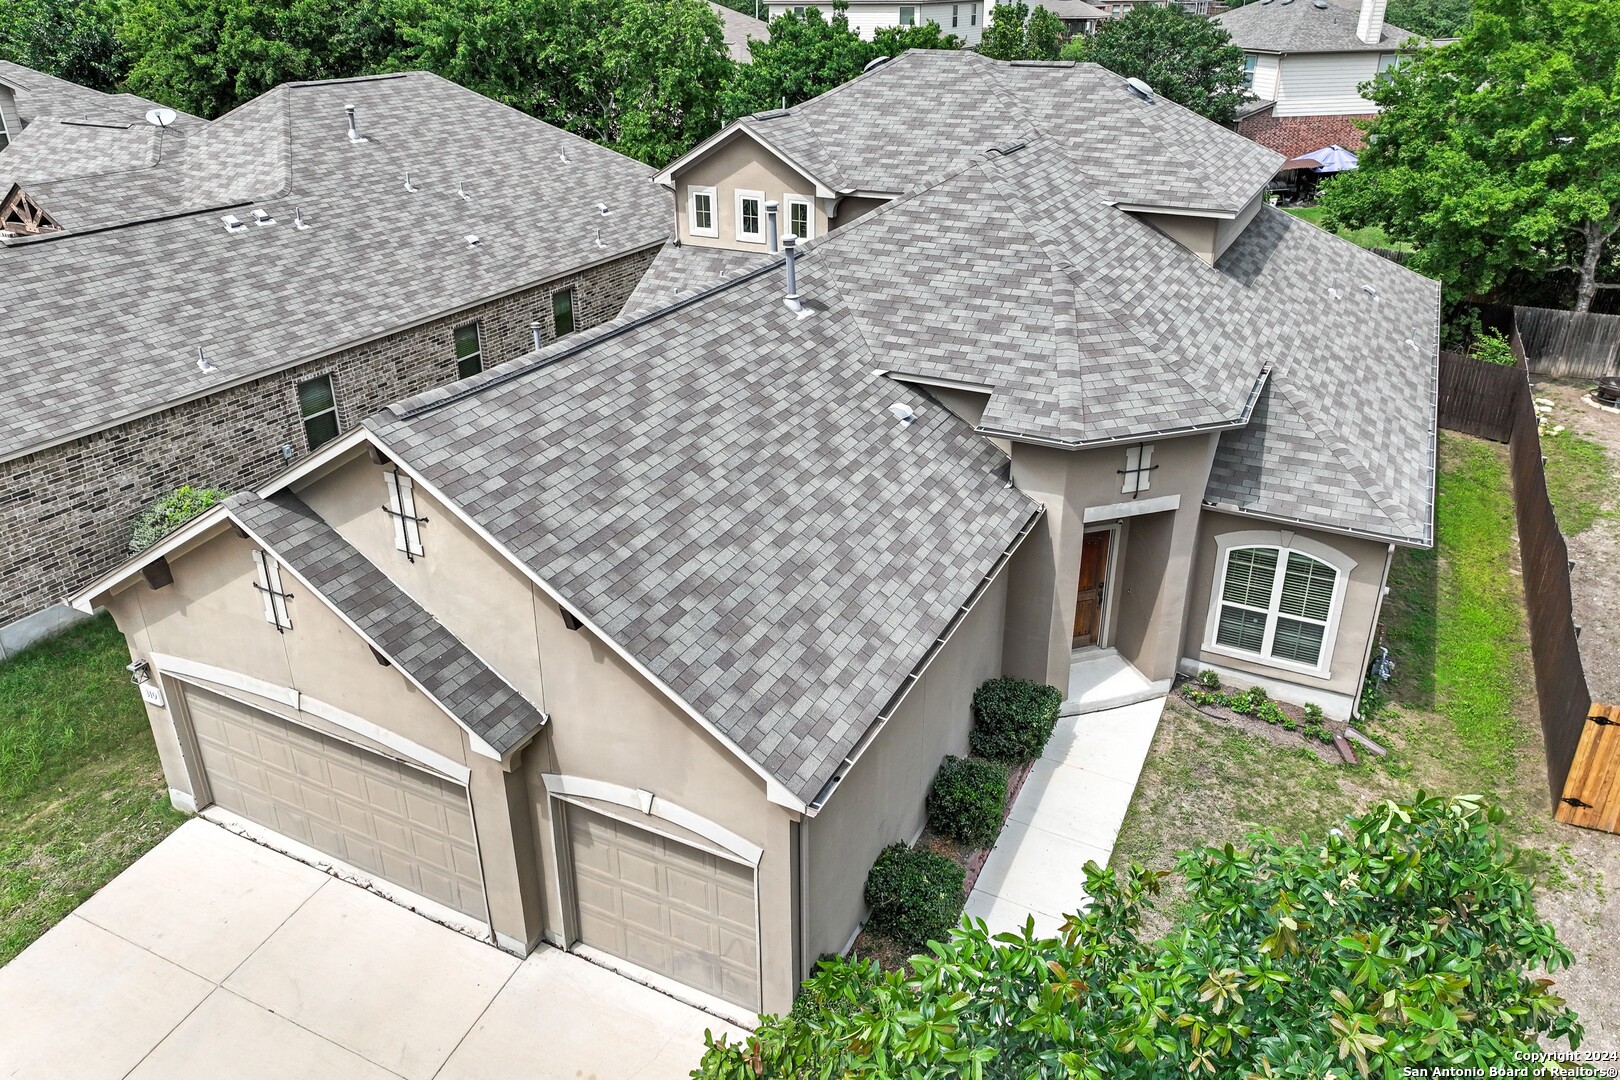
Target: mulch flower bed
(1217, 703)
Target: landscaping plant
(967, 800)
(171, 512)
(1013, 718)
(916, 896)
(1402, 940)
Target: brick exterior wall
(66, 512)
(1296, 135)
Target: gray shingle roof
(1302, 27)
(682, 269)
(871, 135)
(38, 94)
(1073, 9)
(739, 28)
(414, 641)
(104, 325)
(722, 490)
(1088, 325)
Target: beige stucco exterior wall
(1149, 594)
(1196, 234)
(1357, 623)
(741, 164)
(881, 799)
(608, 723)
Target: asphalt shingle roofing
(722, 490)
(1302, 27)
(38, 94)
(1088, 325)
(102, 322)
(414, 641)
(872, 135)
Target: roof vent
(772, 207)
(564, 155)
(204, 365)
(232, 223)
(602, 207)
(1139, 88)
(472, 241)
(1370, 291)
(462, 191)
(874, 62)
(261, 216)
(1010, 148)
(354, 131)
(408, 185)
(1287, 2)
(1319, 5)
(790, 248)
(298, 218)
(599, 242)
(902, 412)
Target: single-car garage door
(389, 819)
(665, 906)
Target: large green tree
(1402, 940)
(1004, 35)
(1431, 18)
(641, 76)
(1186, 58)
(209, 56)
(810, 54)
(1498, 156)
(74, 40)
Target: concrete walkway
(1069, 811)
(1102, 679)
(213, 957)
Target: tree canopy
(71, 39)
(1186, 58)
(1431, 18)
(1499, 154)
(1402, 939)
(810, 54)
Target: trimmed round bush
(916, 896)
(1013, 718)
(967, 800)
(171, 512)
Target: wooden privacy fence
(1576, 343)
(1592, 793)
(1492, 401)
(1479, 399)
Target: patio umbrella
(1332, 159)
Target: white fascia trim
(1303, 523)
(725, 135)
(84, 599)
(475, 740)
(415, 752)
(1132, 509)
(75, 434)
(1177, 211)
(646, 802)
(929, 380)
(775, 792)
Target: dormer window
(751, 217)
(801, 222)
(700, 212)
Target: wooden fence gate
(1592, 791)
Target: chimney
(354, 132)
(1370, 27)
(771, 207)
(790, 247)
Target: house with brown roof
(207, 302)
(1306, 61)
(646, 643)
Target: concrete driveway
(213, 957)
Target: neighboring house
(1118, 9)
(866, 17)
(1079, 18)
(646, 644)
(1306, 61)
(739, 30)
(207, 303)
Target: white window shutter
(1142, 477)
(278, 595)
(402, 503)
(262, 566)
(396, 511)
(1133, 457)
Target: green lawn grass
(1579, 478)
(81, 791)
(1370, 237)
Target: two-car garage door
(393, 821)
(665, 906)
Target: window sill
(1315, 672)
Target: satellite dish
(161, 117)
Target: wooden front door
(1088, 605)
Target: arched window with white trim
(1276, 603)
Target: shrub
(1272, 714)
(1209, 679)
(916, 896)
(1318, 732)
(1492, 348)
(967, 800)
(1257, 694)
(171, 512)
(1313, 714)
(1013, 718)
